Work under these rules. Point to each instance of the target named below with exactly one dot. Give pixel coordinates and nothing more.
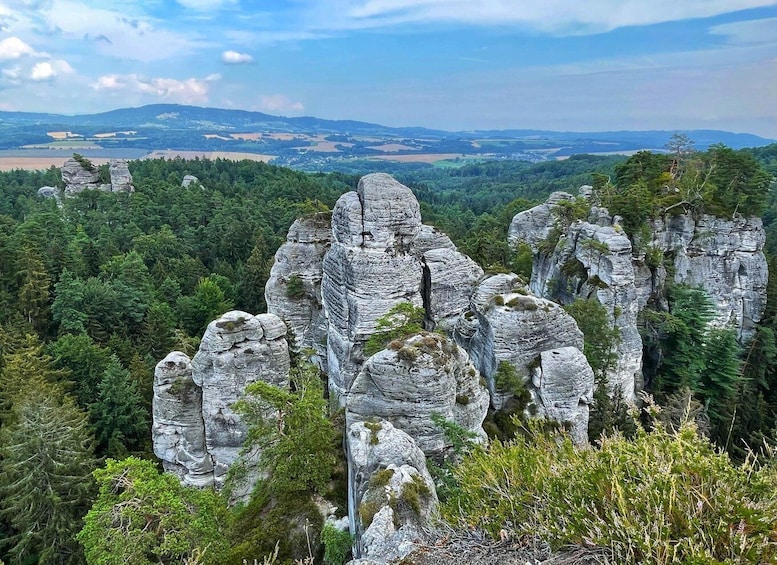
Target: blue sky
(450, 64)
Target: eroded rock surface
(506, 323)
(368, 269)
(121, 179)
(595, 259)
(414, 379)
(196, 431)
(78, 177)
(299, 262)
(392, 495)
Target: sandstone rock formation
(189, 179)
(505, 323)
(414, 379)
(562, 388)
(121, 179)
(595, 259)
(196, 432)
(78, 176)
(300, 261)
(588, 261)
(392, 495)
(49, 192)
(368, 269)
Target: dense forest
(95, 290)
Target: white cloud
(567, 17)
(12, 75)
(205, 5)
(749, 31)
(47, 70)
(280, 103)
(187, 91)
(14, 48)
(235, 58)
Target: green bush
(295, 288)
(337, 544)
(665, 497)
(402, 320)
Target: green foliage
(662, 498)
(46, 460)
(402, 320)
(523, 260)
(84, 162)
(600, 337)
(337, 544)
(121, 423)
(298, 446)
(295, 288)
(144, 517)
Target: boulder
(49, 192)
(78, 178)
(392, 496)
(414, 379)
(189, 179)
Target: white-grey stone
(189, 179)
(196, 431)
(121, 178)
(302, 256)
(563, 387)
(49, 192)
(414, 379)
(450, 278)
(382, 463)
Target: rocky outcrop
(79, 175)
(189, 179)
(562, 389)
(413, 380)
(723, 256)
(293, 291)
(178, 430)
(596, 259)
(505, 323)
(196, 432)
(391, 494)
(588, 261)
(450, 278)
(368, 269)
(121, 179)
(49, 192)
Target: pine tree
(46, 461)
(119, 419)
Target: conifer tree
(46, 461)
(119, 420)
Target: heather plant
(663, 497)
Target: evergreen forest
(96, 289)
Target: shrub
(402, 320)
(295, 289)
(337, 544)
(665, 497)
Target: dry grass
(39, 163)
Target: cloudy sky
(450, 64)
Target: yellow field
(38, 163)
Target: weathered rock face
(589, 261)
(505, 323)
(178, 429)
(301, 258)
(121, 179)
(49, 192)
(391, 494)
(412, 380)
(196, 432)
(723, 256)
(595, 259)
(450, 278)
(189, 179)
(368, 269)
(78, 178)
(562, 389)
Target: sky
(568, 65)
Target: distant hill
(310, 141)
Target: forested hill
(97, 288)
